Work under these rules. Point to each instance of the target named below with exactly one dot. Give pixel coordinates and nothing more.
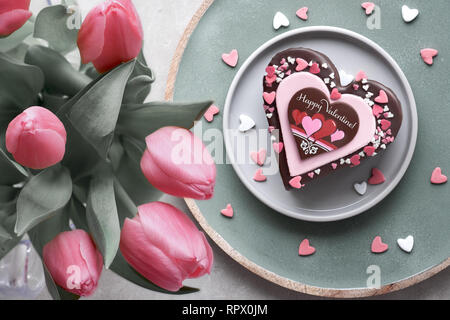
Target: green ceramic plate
(266, 242)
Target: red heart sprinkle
(305, 249)
(369, 150)
(269, 97)
(385, 124)
(259, 176)
(296, 182)
(231, 58)
(356, 160)
(377, 177)
(314, 68)
(428, 55)
(228, 211)
(382, 97)
(437, 177)
(335, 94)
(378, 246)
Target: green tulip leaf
(15, 39)
(4, 234)
(58, 27)
(116, 153)
(53, 102)
(141, 68)
(95, 113)
(123, 269)
(60, 76)
(125, 205)
(40, 236)
(139, 121)
(137, 89)
(11, 172)
(20, 85)
(8, 218)
(102, 216)
(77, 214)
(42, 197)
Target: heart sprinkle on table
(280, 20)
(247, 123)
(378, 246)
(428, 54)
(437, 177)
(259, 157)
(302, 13)
(377, 177)
(406, 244)
(228, 211)
(361, 188)
(259, 176)
(305, 249)
(211, 112)
(231, 58)
(409, 14)
(369, 7)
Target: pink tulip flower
(164, 246)
(110, 35)
(178, 163)
(36, 138)
(74, 262)
(13, 15)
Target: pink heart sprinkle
(314, 68)
(296, 182)
(271, 129)
(301, 64)
(355, 87)
(311, 175)
(231, 58)
(334, 166)
(302, 13)
(356, 160)
(385, 124)
(271, 110)
(369, 7)
(269, 97)
(259, 176)
(278, 147)
(369, 150)
(335, 94)
(437, 177)
(377, 110)
(382, 97)
(338, 135)
(228, 211)
(211, 112)
(259, 157)
(377, 177)
(360, 75)
(378, 246)
(428, 55)
(311, 126)
(288, 73)
(305, 249)
(271, 79)
(270, 70)
(283, 61)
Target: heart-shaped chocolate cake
(323, 125)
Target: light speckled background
(164, 22)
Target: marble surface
(164, 22)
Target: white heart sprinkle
(246, 123)
(317, 171)
(281, 75)
(361, 188)
(366, 87)
(269, 115)
(346, 78)
(342, 161)
(332, 75)
(409, 14)
(326, 80)
(383, 146)
(280, 20)
(332, 84)
(325, 65)
(369, 95)
(279, 80)
(364, 81)
(386, 109)
(348, 161)
(273, 138)
(310, 63)
(362, 154)
(291, 60)
(406, 244)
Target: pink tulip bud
(74, 262)
(13, 15)
(178, 163)
(110, 35)
(36, 138)
(164, 246)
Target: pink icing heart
(311, 126)
(278, 147)
(335, 95)
(210, 113)
(428, 55)
(378, 246)
(296, 182)
(377, 177)
(338, 135)
(228, 211)
(437, 177)
(259, 176)
(301, 64)
(231, 58)
(302, 13)
(269, 97)
(377, 110)
(259, 157)
(368, 6)
(305, 249)
(382, 97)
(360, 75)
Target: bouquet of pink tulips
(82, 156)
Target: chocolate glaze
(374, 87)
